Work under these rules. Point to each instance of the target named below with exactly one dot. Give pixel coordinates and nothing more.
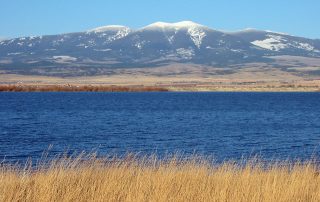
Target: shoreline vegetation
(79, 88)
(156, 88)
(86, 177)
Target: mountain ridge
(158, 44)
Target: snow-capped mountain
(157, 44)
(280, 43)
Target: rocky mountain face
(155, 45)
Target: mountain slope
(280, 43)
(155, 45)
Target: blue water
(225, 125)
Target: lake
(225, 125)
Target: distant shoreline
(79, 88)
(171, 79)
(142, 88)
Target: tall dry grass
(87, 178)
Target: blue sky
(40, 17)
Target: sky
(43, 17)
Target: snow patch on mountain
(306, 46)
(91, 43)
(82, 45)
(274, 43)
(64, 59)
(274, 32)
(197, 35)
(195, 31)
(16, 53)
(176, 26)
(252, 30)
(58, 42)
(236, 50)
(103, 50)
(171, 39)
(108, 28)
(140, 44)
(277, 43)
(118, 30)
(119, 35)
(185, 53)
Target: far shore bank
(158, 88)
(175, 82)
(79, 88)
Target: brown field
(88, 178)
(254, 77)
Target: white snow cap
(109, 28)
(258, 30)
(196, 31)
(178, 25)
(250, 29)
